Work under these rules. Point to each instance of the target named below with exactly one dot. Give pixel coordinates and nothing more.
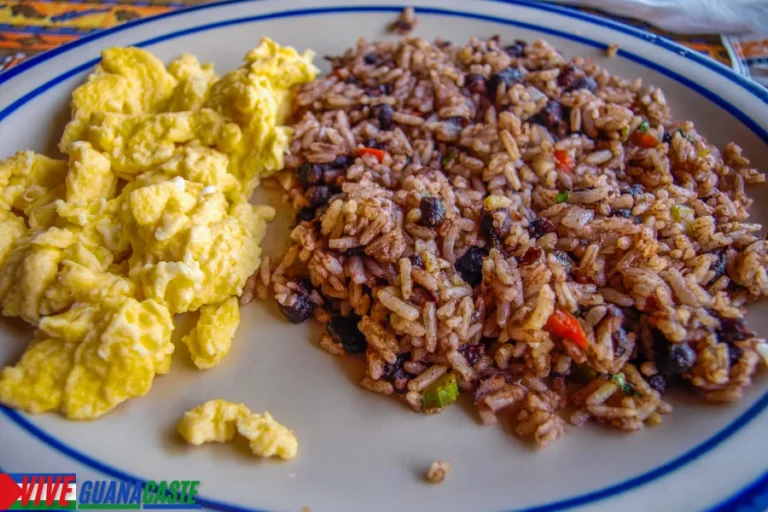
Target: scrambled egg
(148, 216)
(218, 420)
(91, 358)
(211, 338)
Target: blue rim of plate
(758, 490)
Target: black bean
(342, 162)
(432, 211)
(567, 76)
(305, 214)
(495, 225)
(551, 117)
(508, 77)
(371, 143)
(541, 227)
(383, 113)
(637, 219)
(352, 79)
(624, 213)
(667, 138)
(517, 49)
(636, 190)
(475, 83)
(309, 174)
(676, 359)
(734, 354)
(733, 330)
(584, 82)
(394, 371)
(472, 353)
(564, 259)
(658, 382)
(317, 196)
(304, 286)
(371, 59)
(416, 260)
(719, 266)
(300, 311)
(343, 329)
(470, 265)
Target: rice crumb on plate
(405, 23)
(438, 471)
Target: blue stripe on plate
(752, 499)
(753, 88)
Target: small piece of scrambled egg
(210, 340)
(149, 217)
(218, 420)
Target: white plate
(361, 451)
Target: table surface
(29, 27)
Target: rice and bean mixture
(500, 221)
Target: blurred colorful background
(31, 27)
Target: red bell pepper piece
(644, 139)
(565, 325)
(564, 161)
(378, 153)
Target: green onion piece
(562, 197)
(441, 393)
(625, 132)
(703, 152)
(619, 379)
(686, 136)
(682, 213)
(644, 127)
(450, 156)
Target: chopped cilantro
(644, 127)
(450, 156)
(562, 197)
(686, 136)
(625, 386)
